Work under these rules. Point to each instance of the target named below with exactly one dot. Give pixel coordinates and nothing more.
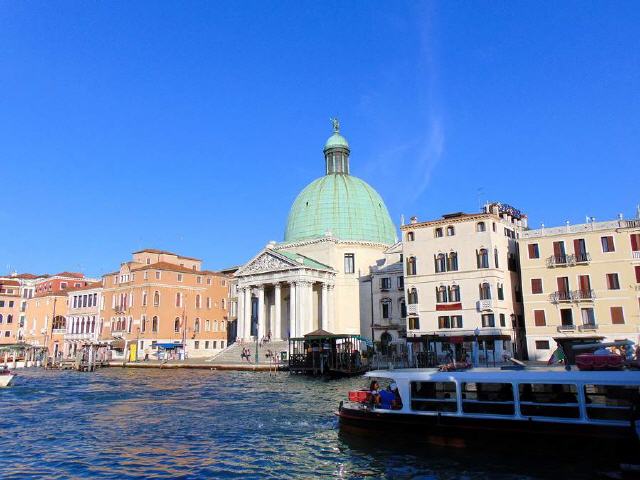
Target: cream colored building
(462, 284)
(338, 228)
(84, 323)
(581, 281)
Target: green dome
(341, 204)
(336, 140)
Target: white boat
(482, 404)
(6, 377)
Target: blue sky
(192, 126)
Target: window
(143, 324)
(215, 325)
(434, 397)
(440, 263)
(411, 236)
(414, 323)
(617, 315)
(452, 262)
(534, 250)
(207, 325)
(180, 277)
(637, 269)
(385, 283)
(196, 326)
(495, 257)
(176, 325)
(536, 285)
(453, 321)
(403, 308)
(178, 299)
(386, 308)
(607, 244)
(566, 317)
(441, 294)
(208, 281)
(438, 232)
(206, 345)
(488, 320)
(413, 296)
(411, 266)
(450, 231)
(198, 280)
(503, 320)
(144, 299)
(156, 299)
(549, 400)
(482, 257)
(610, 402)
(196, 345)
(157, 275)
(209, 302)
(481, 227)
(349, 263)
(400, 283)
(454, 293)
(490, 398)
(485, 291)
(145, 275)
(539, 318)
(500, 291)
(588, 317)
(223, 304)
(542, 344)
(198, 301)
(613, 283)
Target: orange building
(45, 321)
(163, 305)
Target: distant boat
(6, 377)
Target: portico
(283, 294)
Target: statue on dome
(336, 125)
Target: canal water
(135, 423)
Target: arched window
(441, 263)
(215, 325)
(144, 299)
(412, 266)
(452, 262)
(441, 294)
(481, 227)
(93, 324)
(129, 324)
(403, 308)
(143, 323)
(156, 299)
(176, 325)
(385, 340)
(485, 291)
(196, 326)
(223, 325)
(0, 318)
(386, 308)
(154, 324)
(451, 231)
(411, 236)
(483, 258)
(495, 257)
(413, 296)
(9, 318)
(207, 325)
(198, 301)
(454, 293)
(59, 322)
(438, 232)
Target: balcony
(566, 328)
(588, 327)
(582, 257)
(485, 304)
(583, 295)
(558, 296)
(635, 255)
(557, 261)
(412, 309)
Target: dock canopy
(169, 346)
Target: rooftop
(580, 228)
(165, 252)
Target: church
(318, 277)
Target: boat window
(549, 400)
(490, 398)
(434, 396)
(610, 402)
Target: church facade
(318, 277)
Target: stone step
(231, 355)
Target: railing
(587, 326)
(560, 296)
(635, 255)
(564, 328)
(632, 223)
(581, 295)
(58, 331)
(486, 304)
(412, 308)
(582, 257)
(557, 260)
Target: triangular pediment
(267, 261)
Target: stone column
(306, 308)
(247, 312)
(277, 324)
(293, 331)
(325, 311)
(261, 319)
(330, 308)
(240, 314)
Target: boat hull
(6, 380)
(468, 431)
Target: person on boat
(374, 391)
(397, 401)
(387, 398)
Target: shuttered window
(637, 273)
(540, 320)
(536, 285)
(635, 242)
(617, 315)
(607, 244)
(534, 251)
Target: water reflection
(209, 424)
